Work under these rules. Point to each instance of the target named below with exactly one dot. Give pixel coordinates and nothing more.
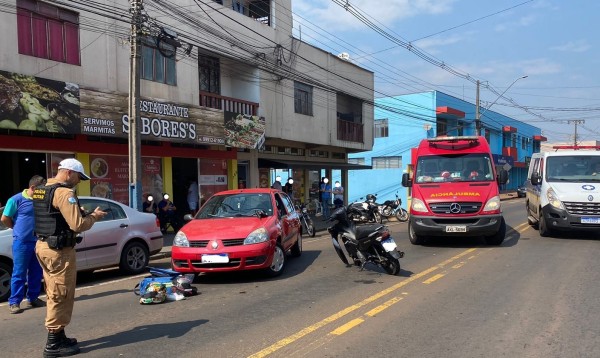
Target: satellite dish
(344, 56)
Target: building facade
(402, 122)
(227, 96)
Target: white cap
(74, 165)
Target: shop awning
(300, 164)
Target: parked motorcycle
(364, 243)
(393, 208)
(363, 212)
(306, 220)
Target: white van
(563, 190)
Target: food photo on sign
(32, 103)
(244, 130)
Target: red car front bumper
(242, 257)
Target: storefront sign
(105, 114)
(31, 103)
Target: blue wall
(408, 117)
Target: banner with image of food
(110, 177)
(244, 130)
(30, 103)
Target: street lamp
(478, 115)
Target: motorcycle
(364, 244)
(393, 208)
(306, 220)
(363, 212)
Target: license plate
(215, 259)
(587, 220)
(389, 244)
(456, 228)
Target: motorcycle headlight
(418, 205)
(304, 210)
(181, 240)
(554, 200)
(493, 204)
(257, 236)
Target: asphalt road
(530, 297)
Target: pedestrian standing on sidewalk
(18, 215)
(338, 195)
(326, 195)
(58, 220)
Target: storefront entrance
(18, 169)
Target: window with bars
(381, 128)
(48, 31)
(155, 66)
(386, 162)
(209, 69)
(359, 161)
(303, 98)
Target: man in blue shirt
(326, 195)
(18, 215)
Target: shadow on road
(294, 266)
(141, 334)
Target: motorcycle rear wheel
(391, 265)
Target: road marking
(380, 308)
(434, 278)
(307, 330)
(346, 327)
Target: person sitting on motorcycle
(338, 195)
(167, 213)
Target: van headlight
(493, 204)
(181, 240)
(418, 205)
(553, 199)
(257, 236)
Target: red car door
(290, 222)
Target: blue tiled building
(401, 122)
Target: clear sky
(555, 43)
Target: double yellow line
(355, 322)
(336, 316)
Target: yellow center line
(433, 278)
(348, 326)
(381, 307)
(307, 330)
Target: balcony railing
(216, 101)
(349, 131)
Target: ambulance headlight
(553, 199)
(418, 205)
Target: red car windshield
(236, 205)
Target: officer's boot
(56, 346)
(67, 340)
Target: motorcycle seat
(364, 231)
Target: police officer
(58, 219)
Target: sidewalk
(320, 225)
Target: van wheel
(543, 226)
(134, 258)
(413, 237)
(5, 275)
(498, 237)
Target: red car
(243, 229)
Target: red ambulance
(455, 190)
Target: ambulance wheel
(413, 237)
(498, 237)
(543, 226)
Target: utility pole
(477, 118)
(135, 142)
(576, 122)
